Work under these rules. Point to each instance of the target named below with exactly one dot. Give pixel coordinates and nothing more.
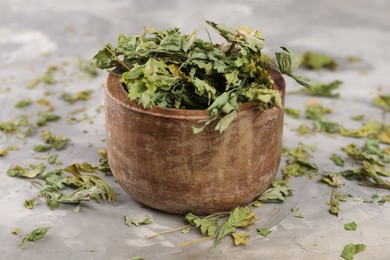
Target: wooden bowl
(157, 159)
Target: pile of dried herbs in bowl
(173, 70)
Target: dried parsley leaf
(87, 67)
(316, 111)
(3, 152)
(384, 199)
(335, 202)
(47, 117)
(35, 235)
(77, 168)
(316, 61)
(132, 222)
(323, 90)
(352, 249)
(46, 78)
(186, 230)
(24, 103)
(352, 226)
(239, 217)
(358, 118)
(337, 159)
(278, 192)
(42, 148)
(16, 231)
(208, 226)
(294, 113)
(58, 142)
(370, 128)
(264, 231)
(80, 96)
(333, 179)
(299, 215)
(29, 203)
(240, 238)
(17, 171)
(53, 159)
(103, 162)
(383, 101)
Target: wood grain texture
(157, 159)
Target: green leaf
(132, 222)
(294, 113)
(17, 171)
(333, 179)
(277, 193)
(42, 148)
(370, 128)
(77, 168)
(335, 202)
(316, 61)
(352, 226)
(208, 226)
(240, 238)
(29, 203)
(263, 231)
(239, 217)
(24, 103)
(352, 249)
(316, 111)
(383, 101)
(87, 67)
(323, 90)
(337, 159)
(104, 58)
(35, 235)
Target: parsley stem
(168, 231)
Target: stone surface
(37, 34)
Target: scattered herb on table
(87, 67)
(16, 231)
(35, 235)
(34, 171)
(335, 202)
(47, 78)
(333, 179)
(240, 238)
(294, 113)
(80, 96)
(337, 160)
(47, 117)
(263, 231)
(278, 192)
(24, 103)
(316, 61)
(133, 222)
(323, 90)
(352, 226)
(29, 203)
(352, 249)
(3, 152)
(383, 101)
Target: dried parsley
(29, 203)
(173, 70)
(80, 96)
(34, 235)
(263, 231)
(316, 111)
(294, 113)
(240, 238)
(335, 202)
(352, 249)
(24, 103)
(337, 159)
(132, 222)
(47, 117)
(87, 67)
(352, 226)
(333, 179)
(208, 226)
(278, 192)
(316, 61)
(323, 90)
(383, 101)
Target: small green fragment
(132, 222)
(278, 192)
(333, 179)
(47, 117)
(23, 103)
(80, 96)
(17, 171)
(42, 148)
(316, 61)
(358, 118)
(207, 226)
(337, 159)
(335, 202)
(383, 101)
(35, 235)
(29, 203)
(264, 231)
(294, 113)
(323, 90)
(352, 249)
(186, 230)
(16, 231)
(294, 209)
(316, 111)
(53, 159)
(299, 215)
(87, 67)
(352, 226)
(137, 258)
(384, 199)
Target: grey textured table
(38, 34)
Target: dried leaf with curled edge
(333, 179)
(35, 235)
(352, 249)
(133, 222)
(208, 226)
(240, 238)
